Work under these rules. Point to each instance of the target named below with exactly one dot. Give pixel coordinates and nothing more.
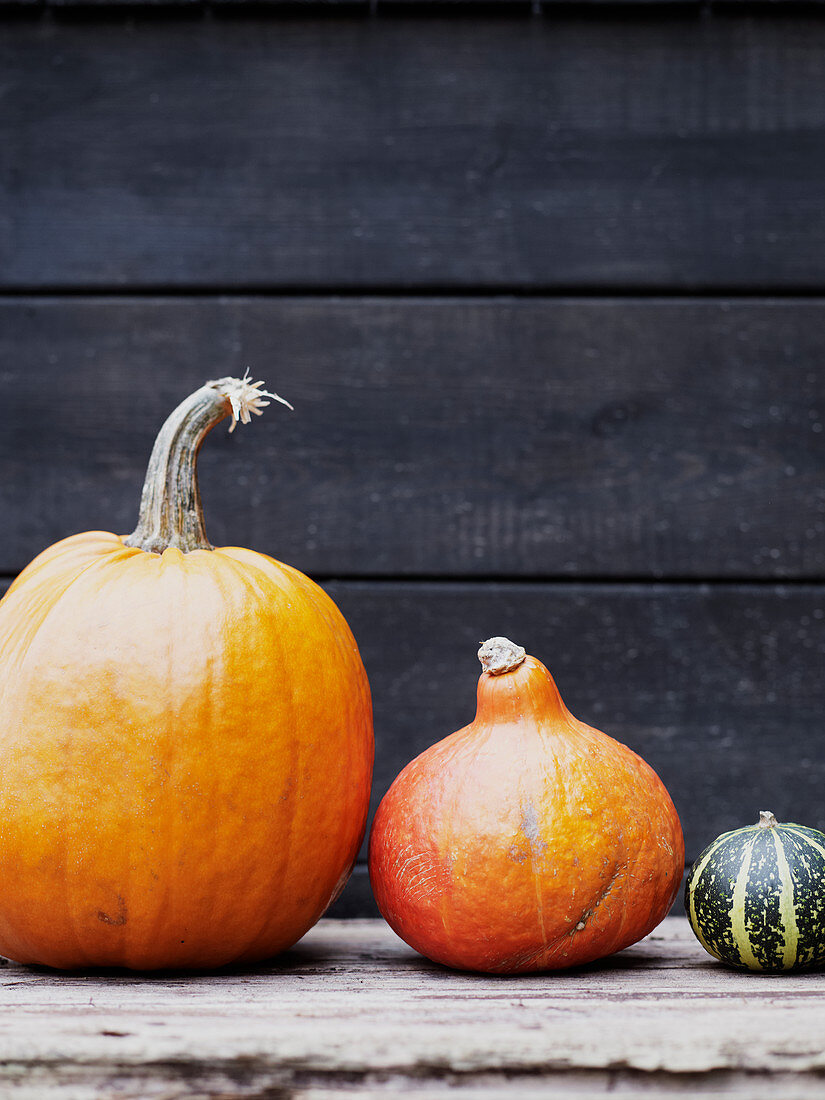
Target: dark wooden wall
(545, 284)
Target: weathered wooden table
(353, 1011)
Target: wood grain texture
(375, 7)
(623, 151)
(532, 438)
(719, 687)
(352, 1008)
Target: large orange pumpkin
(527, 840)
(186, 738)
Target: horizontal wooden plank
(719, 687)
(625, 151)
(534, 7)
(356, 902)
(499, 437)
(377, 7)
(353, 1011)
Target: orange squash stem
(171, 513)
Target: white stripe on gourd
(805, 835)
(737, 912)
(787, 903)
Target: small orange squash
(527, 840)
(186, 745)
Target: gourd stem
(499, 655)
(170, 505)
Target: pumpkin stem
(767, 820)
(499, 655)
(170, 505)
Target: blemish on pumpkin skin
(122, 914)
(530, 828)
(538, 846)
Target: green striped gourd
(756, 896)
